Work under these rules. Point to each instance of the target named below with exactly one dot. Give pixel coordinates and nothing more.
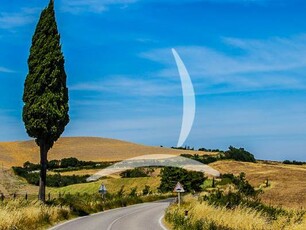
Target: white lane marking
(98, 213)
(114, 221)
(160, 221)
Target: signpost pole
(178, 188)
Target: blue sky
(246, 58)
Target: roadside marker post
(178, 189)
(102, 190)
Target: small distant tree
(45, 97)
(239, 154)
(69, 162)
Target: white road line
(160, 221)
(114, 221)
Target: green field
(113, 185)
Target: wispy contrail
(188, 99)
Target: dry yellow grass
(288, 182)
(19, 214)
(239, 218)
(83, 148)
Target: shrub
(191, 180)
(136, 172)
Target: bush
(132, 173)
(191, 180)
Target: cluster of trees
(201, 158)
(294, 162)
(210, 150)
(191, 180)
(137, 172)
(55, 180)
(71, 163)
(237, 154)
(183, 148)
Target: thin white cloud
(17, 19)
(274, 62)
(93, 6)
(130, 86)
(5, 70)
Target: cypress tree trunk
(43, 171)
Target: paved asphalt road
(145, 216)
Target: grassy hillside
(113, 185)
(83, 148)
(288, 184)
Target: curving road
(145, 216)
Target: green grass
(113, 185)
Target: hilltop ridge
(83, 148)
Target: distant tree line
(294, 162)
(67, 164)
(237, 154)
(30, 171)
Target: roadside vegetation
(202, 215)
(30, 171)
(231, 203)
(22, 214)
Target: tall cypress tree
(45, 97)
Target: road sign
(102, 189)
(178, 188)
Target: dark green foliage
(233, 153)
(69, 162)
(31, 166)
(239, 154)
(294, 162)
(210, 150)
(45, 111)
(191, 180)
(55, 180)
(203, 158)
(136, 172)
(146, 190)
(245, 192)
(183, 148)
(133, 192)
(53, 164)
(66, 164)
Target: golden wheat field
(83, 148)
(288, 182)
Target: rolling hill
(83, 148)
(288, 185)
